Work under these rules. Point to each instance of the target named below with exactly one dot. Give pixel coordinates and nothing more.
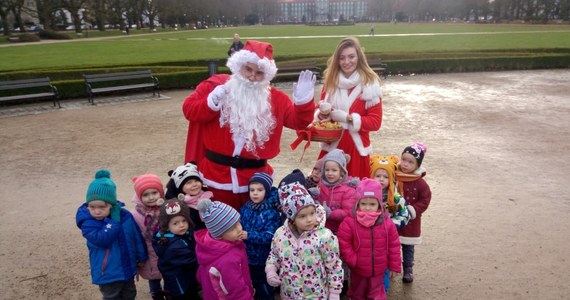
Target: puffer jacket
(115, 248)
(309, 266)
(223, 270)
(142, 214)
(260, 221)
(369, 251)
(177, 261)
(340, 198)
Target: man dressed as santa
(236, 121)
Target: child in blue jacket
(114, 240)
(260, 217)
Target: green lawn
(288, 41)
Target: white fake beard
(247, 110)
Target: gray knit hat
(339, 157)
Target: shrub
(24, 38)
(53, 35)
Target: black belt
(235, 161)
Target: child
(416, 191)
(223, 271)
(260, 219)
(148, 198)
(313, 179)
(304, 258)
(186, 180)
(114, 241)
(175, 247)
(337, 189)
(383, 170)
(369, 243)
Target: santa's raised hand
(304, 89)
(216, 97)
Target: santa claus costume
(363, 103)
(236, 123)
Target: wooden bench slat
(95, 83)
(35, 83)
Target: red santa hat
(259, 53)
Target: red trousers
(234, 200)
(363, 288)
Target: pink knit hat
(147, 181)
(368, 188)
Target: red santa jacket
(205, 133)
(355, 140)
(369, 251)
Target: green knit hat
(104, 189)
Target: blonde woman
(351, 95)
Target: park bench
(291, 70)
(120, 81)
(378, 66)
(25, 89)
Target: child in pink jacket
(223, 268)
(148, 198)
(369, 243)
(337, 189)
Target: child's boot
(408, 275)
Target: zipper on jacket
(372, 234)
(104, 261)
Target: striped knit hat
(218, 216)
(104, 189)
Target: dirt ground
(497, 227)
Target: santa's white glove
(272, 277)
(216, 97)
(304, 89)
(338, 115)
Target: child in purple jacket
(224, 270)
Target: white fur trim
(412, 211)
(356, 122)
(410, 240)
(238, 59)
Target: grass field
(288, 40)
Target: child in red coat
(369, 243)
(411, 184)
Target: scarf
(151, 217)
(367, 218)
(341, 98)
(192, 201)
(402, 177)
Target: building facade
(321, 11)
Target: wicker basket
(321, 135)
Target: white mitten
(304, 89)
(216, 97)
(338, 115)
(328, 210)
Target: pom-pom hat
(256, 52)
(218, 216)
(183, 173)
(103, 188)
(147, 181)
(293, 197)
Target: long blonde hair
(331, 74)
